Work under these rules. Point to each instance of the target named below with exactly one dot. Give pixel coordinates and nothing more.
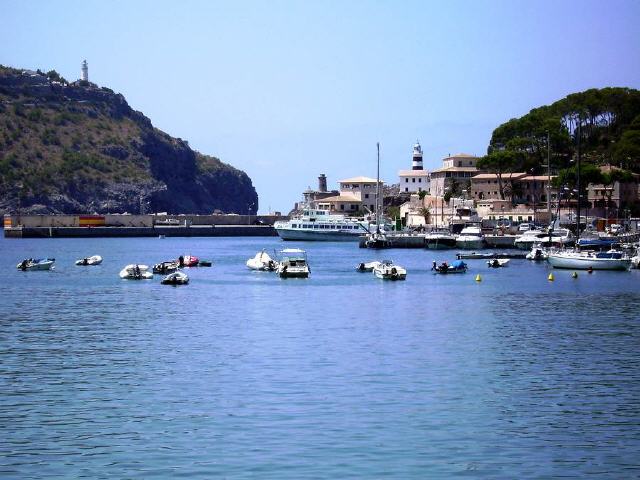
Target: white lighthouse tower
(416, 163)
(85, 72)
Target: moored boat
(498, 262)
(36, 264)
(188, 261)
(164, 268)
(611, 260)
(457, 266)
(293, 263)
(136, 272)
(94, 260)
(263, 262)
(367, 266)
(321, 225)
(175, 278)
(387, 270)
(470, 238)
(439, 240)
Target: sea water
(241, 374)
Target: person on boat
(434, 266)
(136, 272)
(85, 261)
(181, 261)
(23, 265)
(495, 263)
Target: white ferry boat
(321, 225)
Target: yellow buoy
(551, 277)
(574, 275)
(478, 278)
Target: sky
(286, 90)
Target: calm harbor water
(243, 375)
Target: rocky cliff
(73, 148)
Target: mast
(549, 176)
(578, 182)
(378, 191)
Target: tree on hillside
(500, 162)
(626, 152)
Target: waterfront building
(356, 194)
(417, 179)
(458, 168)
(612, 198)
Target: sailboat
(581, 260)
(377, 239)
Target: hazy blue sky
(288, 90)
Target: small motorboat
(36, 264)
(367, 266)
(293, 264)
(498, 262)
(458, 266)
(188, 261)
(175, 278)
(163, 268)
(87, 261)
(263, 262)
(537, 254)
(387, 270)
(205, 263)
(136, 272)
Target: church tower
(85, 72)
(416, 163)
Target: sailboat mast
(378, 191)
(578, 182)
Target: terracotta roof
(360, 180)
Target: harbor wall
(169, 231)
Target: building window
(406, 189)
(353, 207)
(366, 195)
(342, 206)
(413, 180)
(406, 180)
(419, 180)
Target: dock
(489, 256)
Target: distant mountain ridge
(74, 148)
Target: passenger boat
(175, 278)
(136, 272)
(36, 264)
(94, 260)
(498, 262)
(470, 238)
(320, 225)
(293, 264)
(169, 266)
(440, 240)
(611, 260)
(367, 266)
(262, 261)
(458, 266)
(387, 270)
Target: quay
(86, 226)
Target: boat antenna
(378, 191)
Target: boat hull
(470, 243)
(444, 243)
(319, 235)
(586, 263)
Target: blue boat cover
(458, 264)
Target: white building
(356, 194)
(417, 179)
(455, 168)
